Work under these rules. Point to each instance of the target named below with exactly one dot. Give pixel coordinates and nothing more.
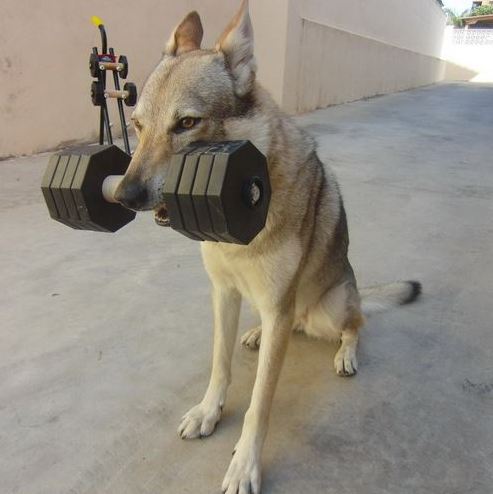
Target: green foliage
(483, 10)
(453, 19)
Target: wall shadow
(454, 72)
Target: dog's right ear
(187, 36)
(236, 44)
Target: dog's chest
(262, 278)
(247, 275)
(250, 279)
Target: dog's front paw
(199, 421)
(345, 361)
(251, 339)
(243, 475)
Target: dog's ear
(187, 36)
(236, 43)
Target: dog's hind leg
(345, 361)
(201, 420)
(337, 316)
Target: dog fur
(295, 272)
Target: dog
(295, 272)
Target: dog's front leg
(244, 472)
(201, 420)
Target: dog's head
(188, 97)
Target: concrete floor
(105, 339)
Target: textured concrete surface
(105, 339)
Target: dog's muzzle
(132, 196)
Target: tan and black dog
(296, 271)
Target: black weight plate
(171, 184)
(75, 188)
(245, 221)
(221, 152)
(170, 197)
(97, 93)
(56, 191)
(131, 99)
(123, 73)
(235, 165)
(103, 161)
(65, 190)
(46, 188)
(199, 196)
(184, 196)
(94, 65)
(214, 188)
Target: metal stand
(104, 119)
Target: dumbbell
(98, 63)
(213, 191)
(218, 191)
(75, 188)
(128, 94)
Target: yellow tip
(97, 21)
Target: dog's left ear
(236, 43)
(187, 36)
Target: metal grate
(472, 36)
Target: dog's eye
(187, 123)
(137, 124)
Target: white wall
(470, 59)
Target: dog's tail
(383, 297)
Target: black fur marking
(321, 190)
(416, 290)
(340, 237)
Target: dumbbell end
(79, 187)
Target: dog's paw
(345, 361)
(243, 475)
(199, 421)
(251, 339)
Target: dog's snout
(132, 195)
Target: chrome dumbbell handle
(110, 184)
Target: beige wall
(44, 48)
(360, 67)
(415, 25)
(345, 50)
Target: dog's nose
(132, 196)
